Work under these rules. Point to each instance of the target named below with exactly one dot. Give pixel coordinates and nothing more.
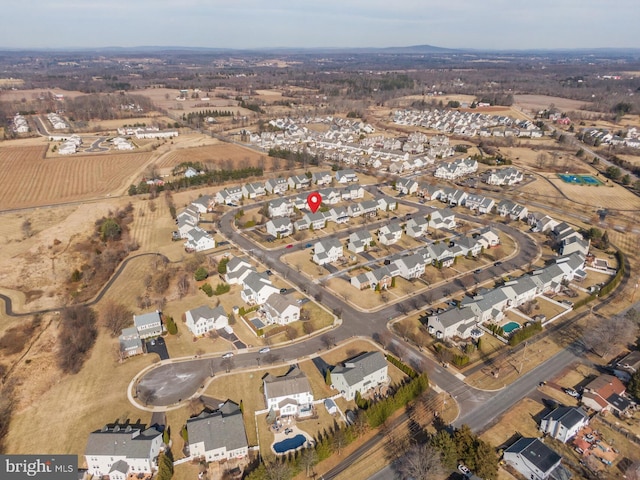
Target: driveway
(158, 346)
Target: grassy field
(520, 418)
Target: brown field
(520, 418)
(217, 154)
(27, 179)
(14, 95)
(540, 102)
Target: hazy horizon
(250, 24)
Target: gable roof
(291, 383)
(567, 416)
(131, 441)
(356, 369)
(536, 453)
(221, 429)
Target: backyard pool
(289, 444)
(510, 327)
(579, 179)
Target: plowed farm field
(28, 179)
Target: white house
(218, 435)
(289, 394)
(281, 309)
(257, 288)
(410, 266)
(407, 186)
(534, 460)
(237, 269)
(276, 185)
(190, 172)
(564, 423)
(456, 322)
(229, 195)
(321, 178)
(506, 176)
(199, 240)
(390, 233)
(327, 251)
(253, 190)
(416, 227)
(359, 241)
(118, 450)
(346, 176)
(443, 218)
(280, 207)
(205, 319)
(298, 181)
(360, 374)
(279, 227)
(148, 324)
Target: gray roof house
(416, 227)
(289, 394)
(219, 435)
(360, 374)
(116, 450)
(564, 423)
(148, 324)
(535, 460)
(130, 343)
(456, 322)
(204, 319)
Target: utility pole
(524, 356)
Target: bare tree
(290, 332)
(26, 228)
(603, 337)
(421, 462)
(339, 441)
(307, 327)
(183, 286)
(115, 317)
(328, 340)
(278, 470)
(308, 459)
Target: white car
(227, 355)
(464, 470)
(264, 350)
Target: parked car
(308, 245)
(269, 272)
(227, 355)
(464, 470)
(283, 290)
(287, 431)
(289, 246)
(497, 264)
(477, 270)
(571, 392)
(264, 350)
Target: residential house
(190, 172)
(360, 374)
(130, 343)
(253, 190)
(203, 203)
(488, 237)
(289, 394)
(229, 195)
(237, 269)
(406, 186)
(327, 251)
(338, 215)
(281, 309)
(416, 227)
(604, 394)
(346, 176)
(218, 435)
(257, 288)
(429, 192)
(626, 367)
(148, 324)
(410, 266)
(506, 176)
(199, 240)
(355, 191)
(441, 254)
(564, 423)
(385, 204)
(298, 181)
(276, 185)
(321, 178)
(376, 279)
(279, 227)
(119, 450)
(390, 233)
(534, 460)
(330, 196)
(456, 322)
(457, 168)
(204, 319)
(443, 218)
(359, 241)
(280, 207)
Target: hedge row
(403, 367)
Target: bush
(206, 288)
(172, 328)
(222, 288)
(222, 266)
(77, 335)
(201, 274)
(522, 334)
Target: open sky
(482, 24)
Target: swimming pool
(289, 444)
(579, 179)
(510, 327)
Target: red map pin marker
(314, 200)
